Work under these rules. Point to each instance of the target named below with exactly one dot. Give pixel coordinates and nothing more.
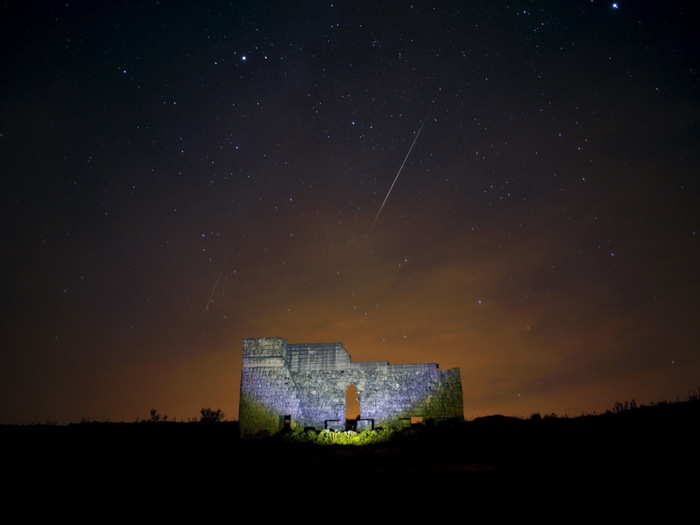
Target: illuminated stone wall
(308, 382)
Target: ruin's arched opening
(352, 407)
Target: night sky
(177, 177)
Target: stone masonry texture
(307, 383)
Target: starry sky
(177, 177)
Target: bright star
(244, 58)
(615, 5)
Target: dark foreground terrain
(657, 442)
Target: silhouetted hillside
(630, 440)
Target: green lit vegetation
(330, 437)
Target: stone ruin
(305, 384)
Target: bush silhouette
(155, 417)
(211, 416)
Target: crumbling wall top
(264, 352)
(317, 356)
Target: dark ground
(648, 443)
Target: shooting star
(213, 291)
(415, 139)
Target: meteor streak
(397, 175)
(213, 291)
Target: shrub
(330, 437)
(211, 416)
